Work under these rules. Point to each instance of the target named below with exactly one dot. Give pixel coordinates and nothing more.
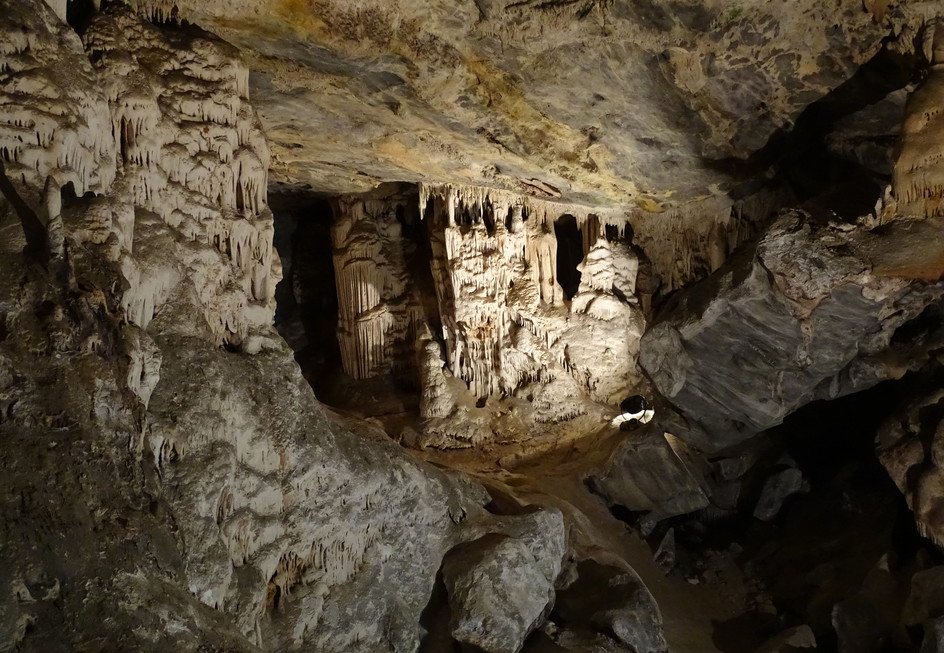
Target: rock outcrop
(808, 314)
(645, 473)
(501, 588)
(193, 490)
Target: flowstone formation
(486, 299)
(919, 171)
(197, 493)
(379, 309)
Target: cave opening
(306, 313)
(79, 13)
(386, 251)
(569, 254)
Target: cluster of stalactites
(54, 119)
(494, 263)
(919, 172)
(687, 243)
(190, 150)
(476, 198)
(379, 313)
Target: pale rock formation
(508, 329)
(778, 487)
(792, 639)
(193, 163)
(933, 636)
(501, 588)
(380, 313)
(687, 243)
(191, 492)
(810, 314)
(919, 172)
(55, 120)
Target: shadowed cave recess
(472, 327)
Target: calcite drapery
(379, 311)
(918, 181)
(506, 319)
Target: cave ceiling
(607, 103)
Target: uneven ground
(314, 316)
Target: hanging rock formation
(380, 312)
(606, 103)
(919, 171)
(508, 328)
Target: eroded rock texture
(191, 492)
(809, 314)
(908, 445)
(605, 102)
(552, 171)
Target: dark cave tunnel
(569, 254)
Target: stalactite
(689, 242)
(918, 178)
(196, 157)
(495, 270)
(378, 307)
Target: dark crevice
(799, 156)
(503, 503)
(435, 620)
(79, 14)
(488, 218)
(33, 229)
(306, 298)
(569, 254)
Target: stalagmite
(506, 322)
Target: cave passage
(569, 254)
(306, 299)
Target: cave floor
(692, 608)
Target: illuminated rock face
(471, 305)
(811, 314)
(601, 102)
(380, 312)
(201, 477)
(496, 261)
(919, 172)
